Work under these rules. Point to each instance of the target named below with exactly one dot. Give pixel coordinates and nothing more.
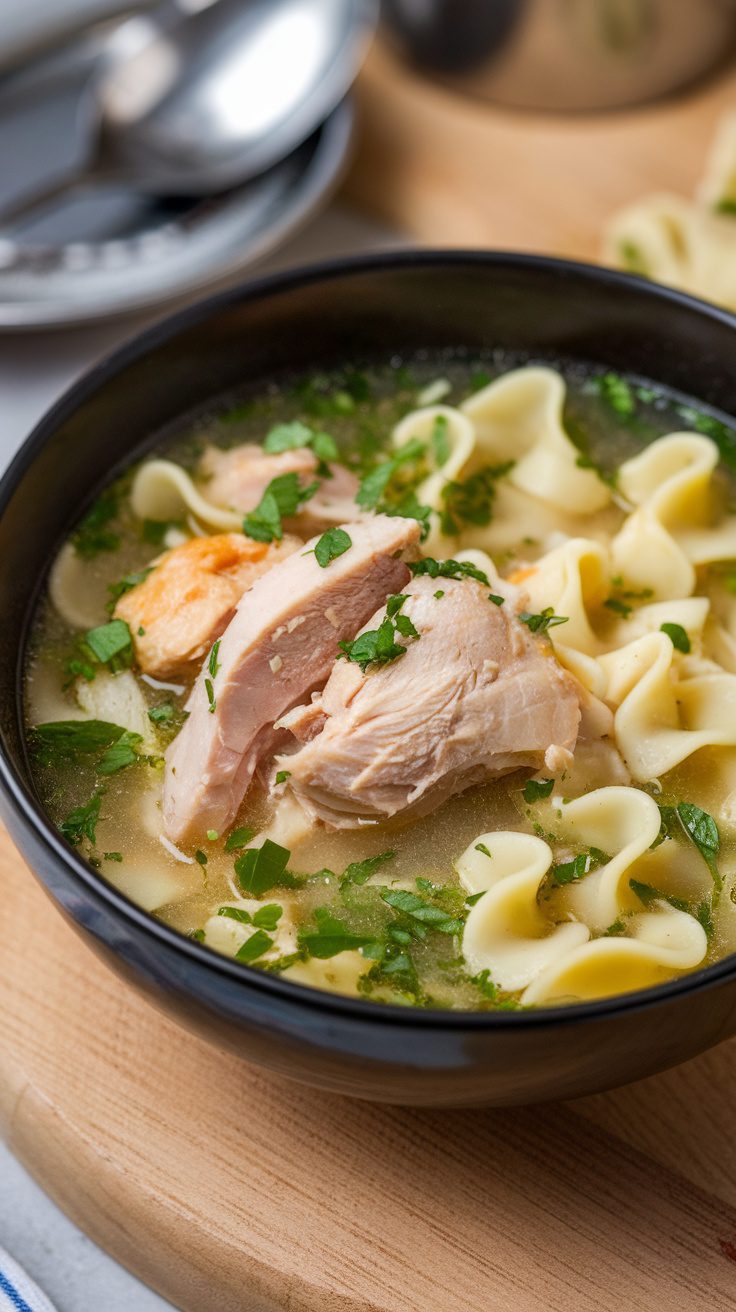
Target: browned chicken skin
(190, 596)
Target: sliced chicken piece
(190, 596)
(475, 696)
(281, 644)
(239, 477)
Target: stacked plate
(107, 251)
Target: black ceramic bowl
(353, 311)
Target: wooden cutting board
(454, 171)
(230, 1190)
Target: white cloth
(18, 1293)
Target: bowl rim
(21, 800)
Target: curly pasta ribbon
(662, 943)
(163, 490)
(506, 931)
(508, 934)
(519, 417)
(663, 715)
(670, 532)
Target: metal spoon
(191, 105)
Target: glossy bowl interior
(357, 311)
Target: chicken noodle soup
(418, 684)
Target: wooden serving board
(455, 171)
(228, 1189)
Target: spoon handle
(41, 196)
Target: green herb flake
(213, 665)
(242, 916)
(375, 483)
(358, 872)
(197, 935)
(704, 917)
(125, 584)
(447, 569)
(496, 599)
(438, 595)
(82, 822)
(68, 740)
(617, 393)
(481, 847)
(615, 929)
(330, 937)
(260, 868)
(281, 500)
(726, 205)
(569, 872)
(472, 898)
(647, 895)
(111, 644)
(542, 622)
(212, 700)
(535, 789)
(254, 947)
(282, 776)
(161, 714)
(200, 857)
(702, 831)
(112, 856)
(677, 635)
(268, 917)
(93, 533)
(239, 838)
(471, 501)
(618, 607)
(335, 542)
(212, 835)
(425, 913)
(120, 754)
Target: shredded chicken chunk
(474, 697)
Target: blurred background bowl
(565, 54)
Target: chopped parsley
(726, 205)
(282, 776)
(125, 584)
(242, 916)
(266, 917)
(496, 599)
(472, 898)
(68, 740)
(161, 714)
(110, 644)
(447, 569)
(239, 838)
(545, 620)
(212, 700)
(702, 831)
(723, 436)
(212, 835)
(120, 754)
(112, 856)
(471, 501)
(647, 895)
(330, 937)
(535, 789)
(281, 499)
(569, 872)
(82, 821)
(704, 916)
(213, 665)
(617, 393)
(677, 635)
(200, 857)
(375, 483)
(261, 868)
(93, 533)
(379, 646)
(335, 542)
(291, 437)
(360, 871)
(481, 847)
(425, 913)
(254, 947)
